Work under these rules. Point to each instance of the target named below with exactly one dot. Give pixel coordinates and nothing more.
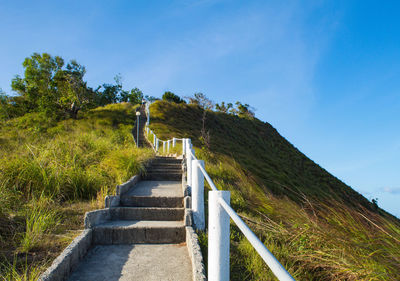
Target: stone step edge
(101, 216)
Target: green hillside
(51, 173)
(317, 226)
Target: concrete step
(139, 232)
(152, 201)
(167, 160)
(165, 165)
(162, 176)
(163, 194)
(164, 170)
(139, 262)
(147, 213)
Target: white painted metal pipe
(218, 237)
(279, 271)
(168, 145)
(209, 180)
(184, 147)
(173, 142)
(198, 194)
(188, 164)
(163, 146)
(157, 144)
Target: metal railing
(155, 142)
(219, 214)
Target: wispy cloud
(259, 55)
(391, 190)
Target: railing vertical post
(157, 144)
(147, 130)
(184, 147)
(218, 237)
(168, 145)
(198, 194)
(154, 140)
(188, 163)
(163, 146)
(173, 142)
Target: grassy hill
(51, 173)
(317, 226)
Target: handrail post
(173, 142)
(218, 237)
(198, 194)
(154, 140)
(188, 163)
(184, 147)
(157, 144)
(163, 146)
(168, 145)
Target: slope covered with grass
(317, 226)
(51, 172)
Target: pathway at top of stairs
(145, 238)
(142, 123)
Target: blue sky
(326, 74)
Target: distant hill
(317, 226)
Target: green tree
(111, 93)
(242, 110)
(201, 100)
(171, 97)
(75, 95)
(223, 108)
(4, 105)
(135, 96)
(39, 86)
(50, 88)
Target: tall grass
(46, 163)
(11, 271)
(317, 227)
(76, 159)
(40, 218)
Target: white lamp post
(137, 125)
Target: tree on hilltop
(171, 97)
(49, 87)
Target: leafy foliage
(171, 97)
(59, 90)
(224, 108)
(135, 96)
(202, 101)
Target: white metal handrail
(156, 141)
(209, 180)
(220, 213)
(276, 267)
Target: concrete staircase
(145, 234)
(164, 168)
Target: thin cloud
(391, 190)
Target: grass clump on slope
(318, 227)
(51, 172)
